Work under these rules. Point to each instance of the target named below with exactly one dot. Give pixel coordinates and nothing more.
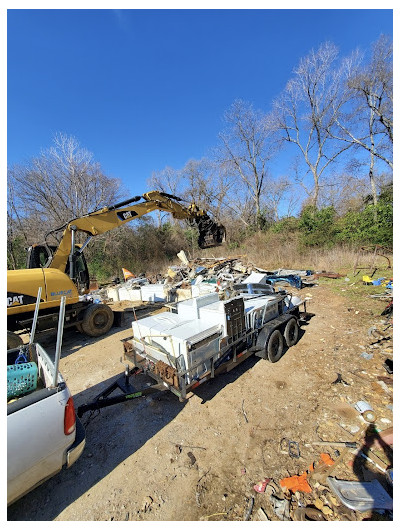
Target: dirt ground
(156, 459)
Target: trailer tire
(275, 346)
(97, 320)
(13, 340)
(291, 332)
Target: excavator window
(81, 271)
(38, 256)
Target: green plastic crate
(21, 379)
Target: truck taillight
(69, 417)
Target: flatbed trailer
(266, 342)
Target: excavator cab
(40, 255)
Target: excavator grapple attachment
(211, 234)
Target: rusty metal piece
(127, 344)
(166, 373)
(376, 250)
(327, 274)
(321, 472)
(303, 514)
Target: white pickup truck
(43, 433)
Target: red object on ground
(261, 485)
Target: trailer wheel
(13, 340)
(97, 320)
(291, 332)
(275, 346)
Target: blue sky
(145, 89)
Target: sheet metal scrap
(293, 280)
(361, 496)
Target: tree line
(330, 133)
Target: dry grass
(273, 251)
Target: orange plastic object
(326, 459)
(295, 483)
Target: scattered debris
(361, 496)
(366, 355)
(127, 274)
(286, 446)
(281, 507)
(327, 274)
(244, 412)
(249, 509)
(146, 504)
(261, 485)
(192, 458)
(303, 514)
(261, 515)
(345, 444)
(339, 379)
(365, 410)
(295, 483)
(196, 277)
(215, 514)
(180, 446)
(388, 365)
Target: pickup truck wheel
(97, 320)
(291, 332)
(13, 340)
(275, 346)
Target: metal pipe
(84, 244)
(35, 316)
(126, 202)
(72, 254)
(60, 331)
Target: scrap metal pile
(200, 276)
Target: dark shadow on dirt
(212, 387)
(366, 472)
(106, 448)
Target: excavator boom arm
(109, 218)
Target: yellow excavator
(62, 270)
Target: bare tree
(246, 149)
(169, 181)
(305, 114)
(345, 191)
(63, 183)
(201, 181)
(208, 185)
(374, 83)
(279, 197)
(369, 123)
